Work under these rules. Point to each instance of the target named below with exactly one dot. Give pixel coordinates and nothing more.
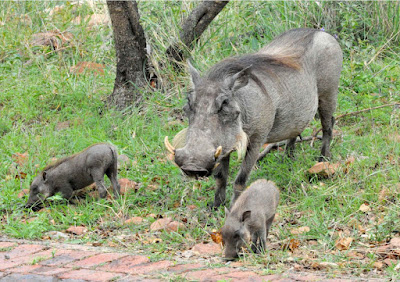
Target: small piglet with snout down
(76, 172)
(250, 218)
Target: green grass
(38, 91)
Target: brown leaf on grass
(378, 265)
(324, 169)
(343, 243)
(175, 226)
(300, 230)
(292, 245)
(192, 207)
(365, 207)
(350, 160)
(20, 175)
(54, 39)
(160, 224)
(23, 192)
(216, 236)
(134, 220)
(355, 255)
(127, 185)
(390, 262)
(98, 19)
(20, 159)
(81, 67)
(77, 230)
(395, 242)
(166, 224)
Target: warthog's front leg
(221, 180)
(245, 169)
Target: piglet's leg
(112, 175)
(254, 239)
(67, 192)
(98, 177)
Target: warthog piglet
(250, 218)
(76, 172)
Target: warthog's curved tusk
(168, 145)
(216, 165)
(218, 152)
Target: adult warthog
(269, 96)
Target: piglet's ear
(44, 175)
(194, 74)
(246, 215)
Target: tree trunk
(194, 25)
(130, 45)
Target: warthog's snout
(197, 163)
(194, 171)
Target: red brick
(272, 277)
(4, 245)
(23, 269)
(181, 268)
(26, 278)
(96, 260)
(305, 277)
(63, 257)
(23, 250)
(124, 264)
(92, 275)
(240, 275)
(150, 267)
(138, 278)
(5, 264)
(201, 274)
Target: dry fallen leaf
(54, 39)
(160, 224)
(23, 192)
(291, 245)
(81, 67)
(20, 159)
(378, 265)
(300, 230)
(127, 185)
(77, 230)
(343, 243)
(365, 207)
(324, 169)
(216, 237)
(134, 220)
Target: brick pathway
(22, 260)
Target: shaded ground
(22, 260)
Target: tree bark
(194, 25)
(130, 45)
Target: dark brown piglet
(76, 172)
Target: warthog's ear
(194, 74)
(239, 79)
(44, 175)
(246, 215)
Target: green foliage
(39, 93)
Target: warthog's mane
(63, 160)
(283, 52)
